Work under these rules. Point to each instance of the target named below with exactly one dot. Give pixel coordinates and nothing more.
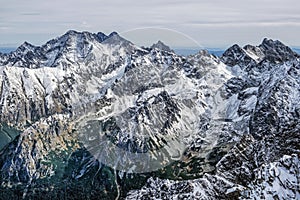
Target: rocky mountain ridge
(219, 128)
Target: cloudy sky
(209, 23)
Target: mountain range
(94, 116)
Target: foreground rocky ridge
(238, 115)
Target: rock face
(160, 45)
(90, 116)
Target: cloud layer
(213, 23)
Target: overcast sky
(210, 23)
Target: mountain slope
(102, 118)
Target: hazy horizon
(147, 37)
(179, 50)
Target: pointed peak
(112, 34)
(233, 49)
(232, 55)
(276, 51)
(160, 45)
(101, 36)
(71, 32)
(77, 33)
(236, 47)
(160, 42)
(115, 38)
(26, 46)
(269, 43)
(267, 40)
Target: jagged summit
(76, 35)
(270, 43)
(269, 50)
(100, 37)
(276, 51)
(161, 46)
(71, 47)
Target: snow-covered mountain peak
(27, 45)
(269, 51)
(82, 113)
(77, 37)
(70, 49)
(24, 49)
(235, 55)
(115, 39)
(118, 45)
